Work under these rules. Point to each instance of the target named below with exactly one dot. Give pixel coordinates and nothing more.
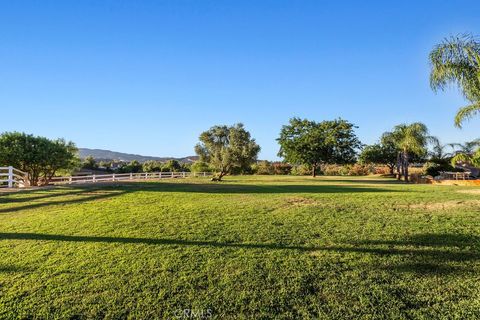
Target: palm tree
(468, 147)
(438, 151)
(410, 139)
(467, 153)
(457, 60)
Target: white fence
(12, 178)
(125, 176)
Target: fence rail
(125, 176)
(11, 177)
(14, 178)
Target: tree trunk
(399, 166)
(220, 176)
(391, 168)
(405, 164)
(314, 173)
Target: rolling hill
(106, 155)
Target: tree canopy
(314, 143)
(380, 153)
(40, 157)
(227, 149)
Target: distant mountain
(106, 155)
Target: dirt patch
(474, 191)
(453, 204)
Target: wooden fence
(14, 178)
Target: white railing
(125, 176)
(11, 178)
(14, 178)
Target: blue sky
(148, 76)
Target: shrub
(301, 170)
(200, 166)
(281, 168)
(433, 169)
(263, 168)
(346, 170)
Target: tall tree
(314, 143)
(457, 60)
(227, 148)
(410, 139)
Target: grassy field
(250, 247)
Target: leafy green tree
(133, 166)
(310, 143)
(171, 166)
(89, 163)
(263, 168)
(380, 153)
(200, 166)
(40, 157)
(227, 149)
(410, 139)
(152, 166)
(457, 60)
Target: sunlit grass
(252, 247)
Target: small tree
(171, 166)
(40, 157)
(200, 166)
(380, 153)
(311, 143)
(227, 149)
(151, 166)
(410, 140)
(89, 163)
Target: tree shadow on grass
(13, 269)
(83, 194)
(225, 188)
(27, 196)
(422, 259)
(99, 191)
(455, 249)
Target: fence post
(204, 174)
(113, 177)
(10, 176)
(93, 178)
(183, 173)
(70, 180)
(131, 176)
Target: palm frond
(466, 113)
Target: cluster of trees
(135, 166)
(230, 149)
(404, 144)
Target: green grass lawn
(249, 247)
